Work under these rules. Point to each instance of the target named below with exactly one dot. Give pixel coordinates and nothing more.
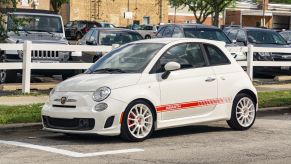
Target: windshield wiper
(109, 70)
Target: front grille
(45, 55)
(69, 124)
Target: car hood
(38, 37)
(91, 82)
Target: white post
(250, 60)
(26, 64)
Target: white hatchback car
(151, 85)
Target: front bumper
(67, 117)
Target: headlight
(101, 94)
(52, 91)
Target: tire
(147, 37)
(138, 121)
(79, 36)
(243, 114)
(67, 75)
(11, 76)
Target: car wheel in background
(79, 36)
(243, 112)
(147, 37)
(138, 121)
(67, 75)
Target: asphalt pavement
(268, 141)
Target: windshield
(131, 58)
(117, 37)
(265, 37)
(37, 23)
(211, 34)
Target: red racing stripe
(192, 104)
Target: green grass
(20, 114)
(274, 99)
(32, 113)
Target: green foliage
(274, 99)
(20, 113)
(57, 4)
(203, 8)
(281, 1)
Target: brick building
(113, 11)
(247, 13)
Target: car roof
(172, 40)
(193, 25)
(112, 29)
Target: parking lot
(268, 141)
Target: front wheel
(137, 122)
(243, 113)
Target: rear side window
(168, 32)
(177, 33)
(216, 56)
(160, 32)
(232, 34)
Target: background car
(286, 35)
(107, 25)
(261, 37)
(77, 29)
(150, 85)
(106, 37)
(198, 31)
(44, 27)
(146, 31)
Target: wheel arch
(150, 103)
(250, 93)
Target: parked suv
(197, 31)
(261, 37)
(77, 29)
(41, 27)
(106, 37)
(146, 31)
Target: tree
(57, 4)
(4, 5)
(217, 6)
(202, 9)
(175, 4)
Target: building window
(187, 21)
(169, 21)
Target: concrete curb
(27, 125)
(19, 125)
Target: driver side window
(188, 55)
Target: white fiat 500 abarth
(151, 85)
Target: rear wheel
(137, 122)
(147, 37)
(79, 36)
(243, 113)
(67, 75)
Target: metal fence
(28, 47)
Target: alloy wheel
(245, 112)
(140, 121)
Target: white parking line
(67, 152)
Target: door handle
(210, 79)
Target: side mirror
(233, 41)
(170, 66)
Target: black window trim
(207, 54)
(204, 54)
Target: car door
(190, 91)
(223, 70)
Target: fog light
(100, 107)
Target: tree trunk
(215, 19)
